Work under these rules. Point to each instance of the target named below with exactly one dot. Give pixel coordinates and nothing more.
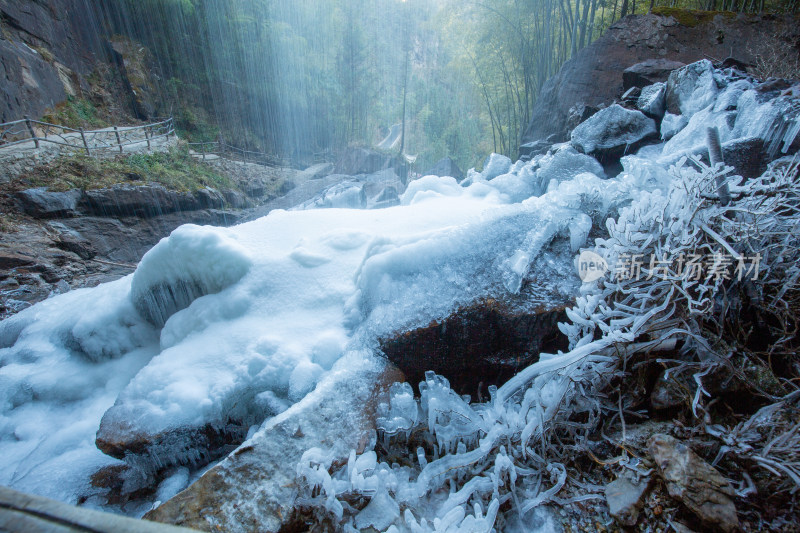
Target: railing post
(116, 133)
(33, 133)
(146, 136)
(715, 157)
(85, 144)
(203, 149)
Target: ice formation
(219, 330)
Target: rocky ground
(52, 241)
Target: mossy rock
(691, 17)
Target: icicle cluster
(450, 464)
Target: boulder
(648, 72)
(253, 488)
(694, 482)
(691, 88)
(445, 167)
(613, 132)
(652, 100)
(41, 203)
(476, 346)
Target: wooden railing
(28, 130)
(227, 151)
(116, 138)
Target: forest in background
(303, 80)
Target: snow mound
(192, 262)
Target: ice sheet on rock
(691, 88)
(347, 194)
(777, 121)
(728, 99)
(652, 100)
(612, 129)
(495, 165)
(693, 138)
(671, 125)
(564, 164)
(430, 187)
(71, 356)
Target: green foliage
(175, 169)
(75, 113)
(691, 17)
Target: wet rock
(532, 149)
(693, 481)
(138, 201)
(613, 132)
(652, 100)
(477, 346)
(79, 247)
(253, 489)
(579, 113)
(445, 167)
(625, 498)
(691, 88)
(138, 72)
(41, 203)
(205, 198)
(388, 197)
(236, 199)
(9, 260)
(648, 72)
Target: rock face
(693, 481)
(595, 75)
(648, 72)
(445, 167)
(613, 132)
(41, 203)
(46, 50)
(486, 343)
(253, 489)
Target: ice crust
(220, 327)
